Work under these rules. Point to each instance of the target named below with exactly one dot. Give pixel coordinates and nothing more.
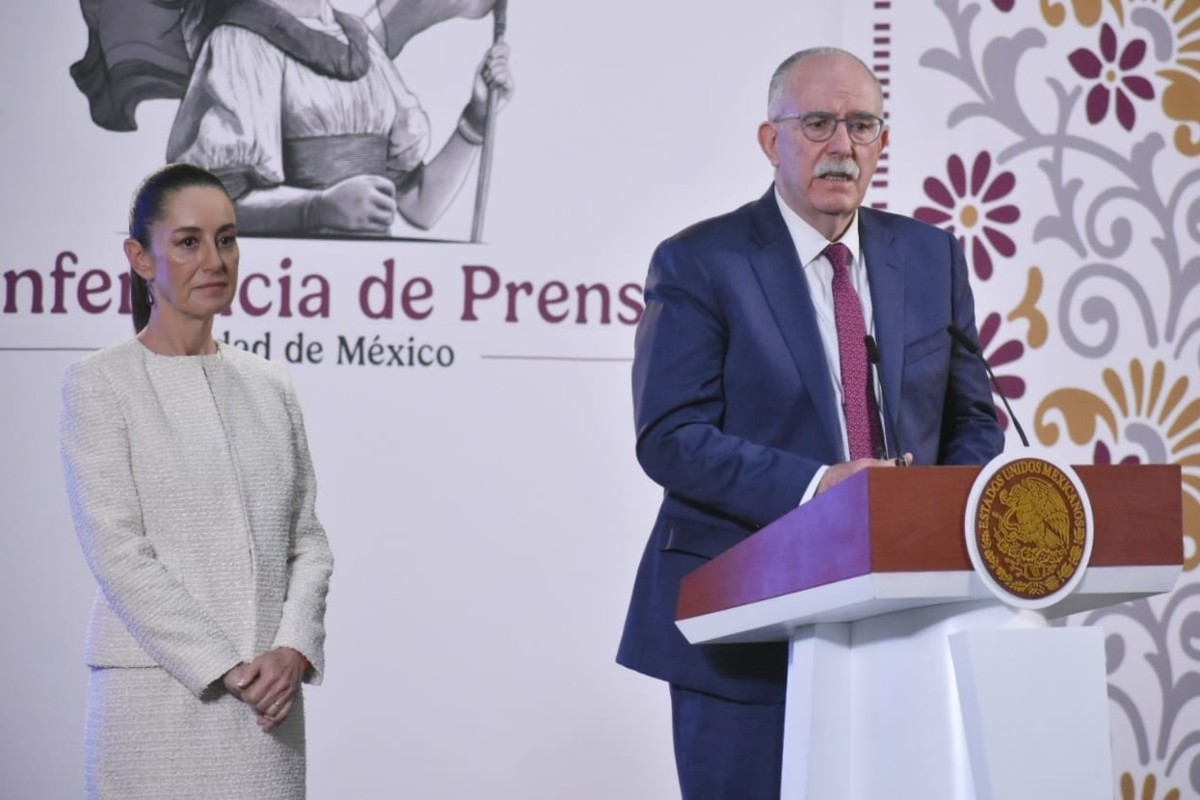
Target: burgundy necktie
(858, 400)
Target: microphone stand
(873, 359)
(969, 345)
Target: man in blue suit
(741, 392)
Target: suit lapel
(885, 271)
(781, 276)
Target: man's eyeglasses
(819, 126)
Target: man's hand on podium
(840, 472)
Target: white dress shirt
(818, 273)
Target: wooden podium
(908, 678)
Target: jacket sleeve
(679, 377)
(157, 610)
(970, 432)
(310, 561)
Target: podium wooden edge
(854, 544)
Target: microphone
(873, 359)
(967, 344)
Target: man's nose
(840, 142)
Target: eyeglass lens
(819, 126)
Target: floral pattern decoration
(1073, 94)
(1143, 411)
(973, 206)
(1113, 76)
(998, 354)
(1174, 30)
(1087, 12)
(1149, 789)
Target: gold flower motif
(1039, 328)
(1087, 12)
(1149, 787)
(1181, 98)
(1142, 410)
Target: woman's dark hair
(148, 207)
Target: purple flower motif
(1103, 456)
(976, 207)
(1011, 385)
(1004, 5)
(1112, 72)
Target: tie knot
(838, 255)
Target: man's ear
(768, 140)
(139, 260)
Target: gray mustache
(838, 166)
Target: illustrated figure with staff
(300, 110)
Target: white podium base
(963, 701)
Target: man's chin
(837, 197)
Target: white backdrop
(486, 518)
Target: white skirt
(147, 736)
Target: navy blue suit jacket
(735, 408)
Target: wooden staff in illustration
(499, 17)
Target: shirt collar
(809, 243)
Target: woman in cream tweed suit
(193, 498)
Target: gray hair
(780, 76)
